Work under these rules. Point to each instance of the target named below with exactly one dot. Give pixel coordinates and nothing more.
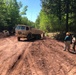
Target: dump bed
(36, 31)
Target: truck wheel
(39, 36)
(18, 38)
(29, 36)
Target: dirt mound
(39, 57)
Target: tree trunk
(67, 14)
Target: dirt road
(39, 57)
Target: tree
(10, 14)
(13, 16)
(65, 10)
(45, 23)
(2, 15)
(24, 10)
(37, 22)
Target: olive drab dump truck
(24, 31)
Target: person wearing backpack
(73, 42)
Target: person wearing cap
(67, 41)
(73, 42)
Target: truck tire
(29, 36)
(38, 36)
(18, 38)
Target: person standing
(67, 41)
(73, 42)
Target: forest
(55, 15)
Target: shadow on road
(31, 40)
(73, 52)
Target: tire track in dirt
(59, 64)
(17, 69)
(40, 57)
(11, 55)
(55, 63)
(8, 47)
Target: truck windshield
(21, 27)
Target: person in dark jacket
(67, 41)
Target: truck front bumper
(21, 36)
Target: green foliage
(58, 15)
(24, 10)
(10, 14)
(2, 15)
(19, 4)
(25, 21)
(44, 22)
(37, 22)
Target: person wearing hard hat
(67, 41)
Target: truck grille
(19, 32)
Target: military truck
(25, 31)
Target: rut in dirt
(39, 57)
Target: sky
(34, 7)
